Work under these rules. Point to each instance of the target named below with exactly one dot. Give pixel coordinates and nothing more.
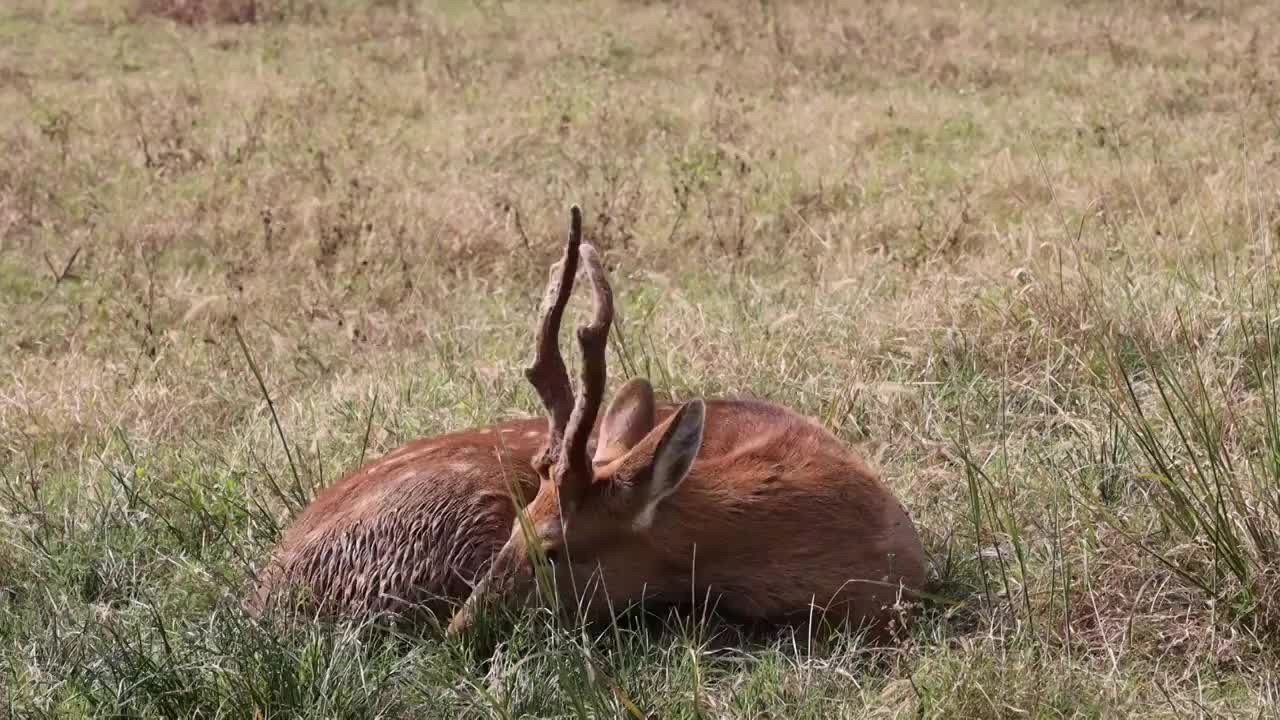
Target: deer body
(411, 530)
(741, 503)
(774, 516)
(775, 520)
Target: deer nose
(464, 618)
(460, 623)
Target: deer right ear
(672, 459)
(630, 417)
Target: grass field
(1022, 255)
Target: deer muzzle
(509, 582)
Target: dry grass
(195, 12)
(944, 230)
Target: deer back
(775, 519)
(411, 530)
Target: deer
(740, 501)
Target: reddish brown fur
(777, 515)
(413, 529)
(754, 524)
(739, 502)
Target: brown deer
(742, 501)
(739, 502)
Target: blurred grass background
(1022, 255)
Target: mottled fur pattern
(410, 531)
(775, 516)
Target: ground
(1020, 255)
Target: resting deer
(741, 502)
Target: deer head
(589, 512)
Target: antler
(593, 338)
(548, 374)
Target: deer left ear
(672, 459)
(628, 420)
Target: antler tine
(593, 338)
(548, 373)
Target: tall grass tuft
(1211, 451)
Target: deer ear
(628, 420)
(672, 459)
